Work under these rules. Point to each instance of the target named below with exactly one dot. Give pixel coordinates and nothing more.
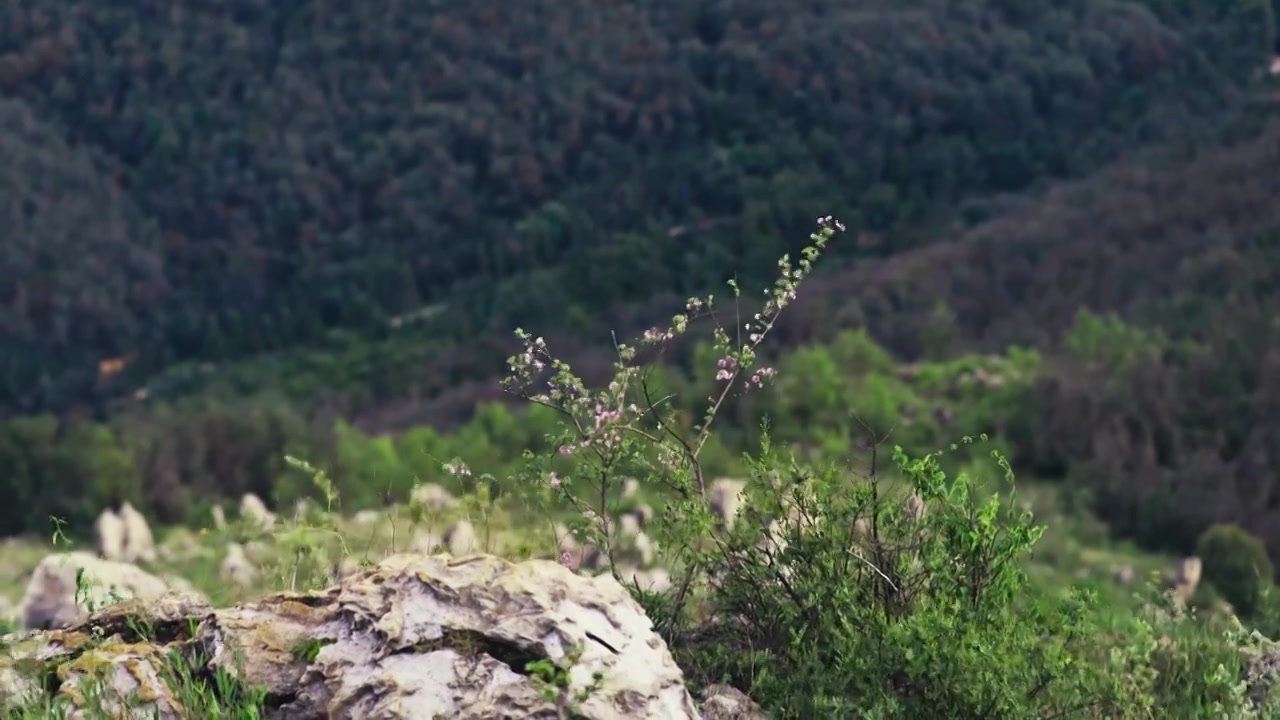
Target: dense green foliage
(259, 173)
(1237, 565)
(305, 230)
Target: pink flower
(566, 559)
(727, 366)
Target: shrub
(1237, 564)
(853, 605)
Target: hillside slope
(326, 165)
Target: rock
(181, 585)
(432, 497)
(586, 557)
(725, 499)
(348, 566)
(236, 567)
(644, 548)
(260, 552)
(50, 600)
(643, 514)
(109, 533)
(725, 702)
(1187, 578)
(774, 539)
(254, 512)
(123, 666)
(656, 580)
(460, 538)
(630, 488)
(916, 507)
(180, 544)
(628, 526)
(367, 518)
(1261, 669)
(414, 637)
(576, 555)
(425, 542)
(139, 543)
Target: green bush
(68, 470)
(893, 594)
(1237, 564)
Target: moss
(308, 649)
(472, 644)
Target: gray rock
(415, 637)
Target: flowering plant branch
(628, 423)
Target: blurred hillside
(258, 175)
(226, 228)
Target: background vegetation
(230, 234)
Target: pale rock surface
(183, 545)
(630, 488)
(725, 702)
(109, 533)
(236, 567)
(460, 538)
(110, 652)
(260, 553)
(656, 580)
(415, 637)
(254, 512)
(645, 548)
(367, 518)
(424, 542)
(432, 497)
(50, 600)
(1186, 578)
(576, 555)
(348, 566)
(139, 542)
(725, 499)
(643, 513)
(628, 526)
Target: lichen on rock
(415, 636)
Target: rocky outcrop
(109, 533)
(414, 637)
(125, 536)
(139, 542)
(432, 497)
(236, 567)
(723, 702)
(65, 587)
(1186, 578)
(725, 499)
(255, 514)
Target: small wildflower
(457, 468)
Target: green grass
(298, 556)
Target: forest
(232, 232)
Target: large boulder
(415, 636)
(65, 587)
